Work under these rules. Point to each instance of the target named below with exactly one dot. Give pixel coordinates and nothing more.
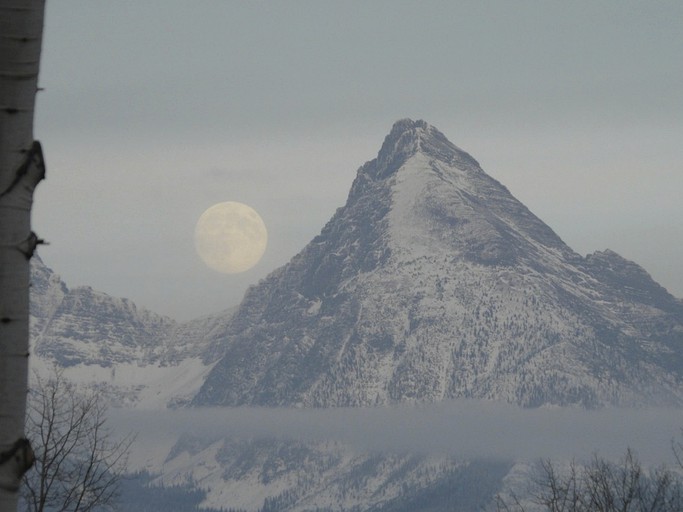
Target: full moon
(230, 237)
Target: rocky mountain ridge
(434, 282)
(137, 357)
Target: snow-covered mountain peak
(434, 282)
(408, 137)
(425, 193)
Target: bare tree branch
(603, 486)
(79, 463)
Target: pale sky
(154, 110)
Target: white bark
(21, 168)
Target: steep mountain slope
(434, 282)
(272, 474)
(138, 358)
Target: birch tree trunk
(21, 168)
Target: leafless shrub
(602, 486)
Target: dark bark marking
(34, 156)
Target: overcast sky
(154, 110)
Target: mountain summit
(434, 282)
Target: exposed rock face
(136, 356)
(434, 282)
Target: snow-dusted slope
(293, 476)
(434, 282)
(136, 357)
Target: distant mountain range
(138, 358)
(433, 282)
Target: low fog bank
(464, 428)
